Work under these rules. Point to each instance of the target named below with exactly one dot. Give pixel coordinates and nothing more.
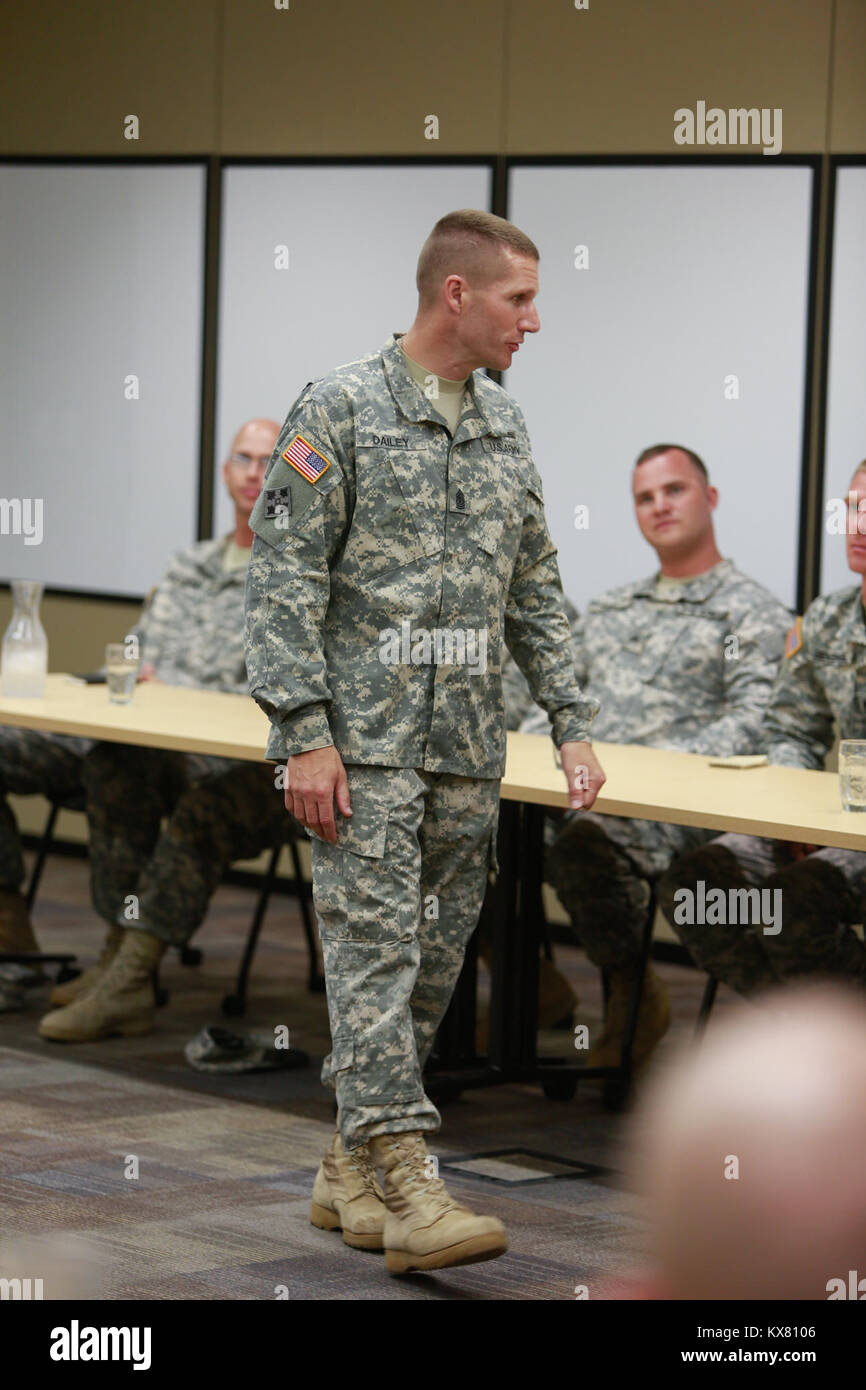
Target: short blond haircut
(468, 243)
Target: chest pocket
(842, 672)
(492, 494)
(399, 507)
(677, 649)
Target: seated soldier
(152, 885)
(683, 660)
(820, 891)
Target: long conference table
(652, 784)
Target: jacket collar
(693, 590)
(480, 413)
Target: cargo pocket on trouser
(342, 1053)
(367, 916)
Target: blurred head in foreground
(753, 1150)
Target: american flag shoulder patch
(794, 639)
(305, 457)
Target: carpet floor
(125, 1174)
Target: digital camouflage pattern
(821, 897)
(668, 675)
(515, 687)
(666, 669)
(34, 763)
(824, 679)
(217, 809)
(192, 625)
(404, 525)
(820, 687)
(388, 523)
(397, 898)
(191, 629)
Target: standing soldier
(821, 680)
(399, 537)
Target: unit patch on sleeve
(306, 459)
(278, 502)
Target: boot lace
(361, 1162)
(413, 1159)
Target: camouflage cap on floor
(218, 1049)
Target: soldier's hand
(147, 671)
(583, 773)
(313, 780)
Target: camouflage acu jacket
(691, 669)
(822, 677)
(192, 626)
(376, 531)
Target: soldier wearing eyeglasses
(165, 825)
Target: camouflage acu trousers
(397, 899)
(600, 867)
(217, 810)
(819, 898)
(32, 762)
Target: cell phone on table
(90, 677)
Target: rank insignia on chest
(278, 502)
(794, 639)
(306, 459)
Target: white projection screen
(352, 233)
(101, 281)
(695, 275)
(845, 440)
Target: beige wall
(525, 77)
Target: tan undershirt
(236, 557)
(449, 402)
(666, 585)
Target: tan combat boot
(122, 1001)
(653, 1019)
(424, 1227)
(347, 1197)
(83, 983)
(16, 929)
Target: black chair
(189, 955)
(233, 1004)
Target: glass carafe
(25, 648)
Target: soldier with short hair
(400, 537)
(152, 883)
(683, 660)
(821, 891)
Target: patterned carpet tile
(220, 1209)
